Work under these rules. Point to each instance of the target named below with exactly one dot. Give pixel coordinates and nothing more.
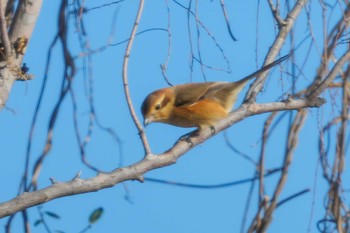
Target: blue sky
(157, 207)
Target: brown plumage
(195, 104)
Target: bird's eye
(157, 107)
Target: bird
(198, 104)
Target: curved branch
(213, 186)
(125, 81)
(150, 162)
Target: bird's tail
(263, 69)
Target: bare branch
(22, 26)
(330, 77)
(150, 162)
(214, 186)
(126, 85)
(285, 200)
(164, 66)
(4, 35)
(262, 155)
(222, 3)
(276, 14)
(275, 49)
(234, 149)
(333, 74)
(198, 23)
(291, 146)
(69, 72)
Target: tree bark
(21, 30)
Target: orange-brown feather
(195, 104)
(191, 105)
(203, 113)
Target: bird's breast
(200, 114)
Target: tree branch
(331, 76)
(3, 28)
(22, 26)
(125, 81)
(275, 49)
(150, 162)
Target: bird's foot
(212, 129)
(187, 137)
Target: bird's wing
(224, 93)
(216, 90)
(190, 93)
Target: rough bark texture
(137, 170)
(20, 31)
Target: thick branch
(22, 26)
(150, 162)
(3, 27)
(275, 48)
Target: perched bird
(195, 104)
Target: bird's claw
(212, 129)
(187, 137)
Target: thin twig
(126, 85)
(42, 219)
(330, 77)
(87, 74)
(200, 60)
(89, 87)
(228, 26)
(164, 66)
(26, 224)
(247, 206)
(234, 149)
(276, 13)
(217, 45)
(214, 186)
(102, 6)
(265, 135)
(285, 200)
(24, 182)
(275, 48)
(139, 33)
(291, 146)
(65, 87)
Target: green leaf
(37, 222)
(52, 215)
(95, 215)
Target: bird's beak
(146, 121)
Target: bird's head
(157, 106)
